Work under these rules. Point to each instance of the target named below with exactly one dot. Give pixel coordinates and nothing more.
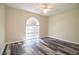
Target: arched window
(32, 29)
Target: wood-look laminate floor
(44, 46)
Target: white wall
(16, 23)
(2, 28)
(65, 25)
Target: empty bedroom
(39, 29)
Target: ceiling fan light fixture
(45, 7)
(45, 10)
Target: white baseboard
(3, 49)
(65, 40)
(42, 37)
(14, 41)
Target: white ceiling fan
(45, 7)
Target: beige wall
(2, 28)
(65, 25)
(16, 23)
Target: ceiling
(34, 7)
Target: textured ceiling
(34, 7)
